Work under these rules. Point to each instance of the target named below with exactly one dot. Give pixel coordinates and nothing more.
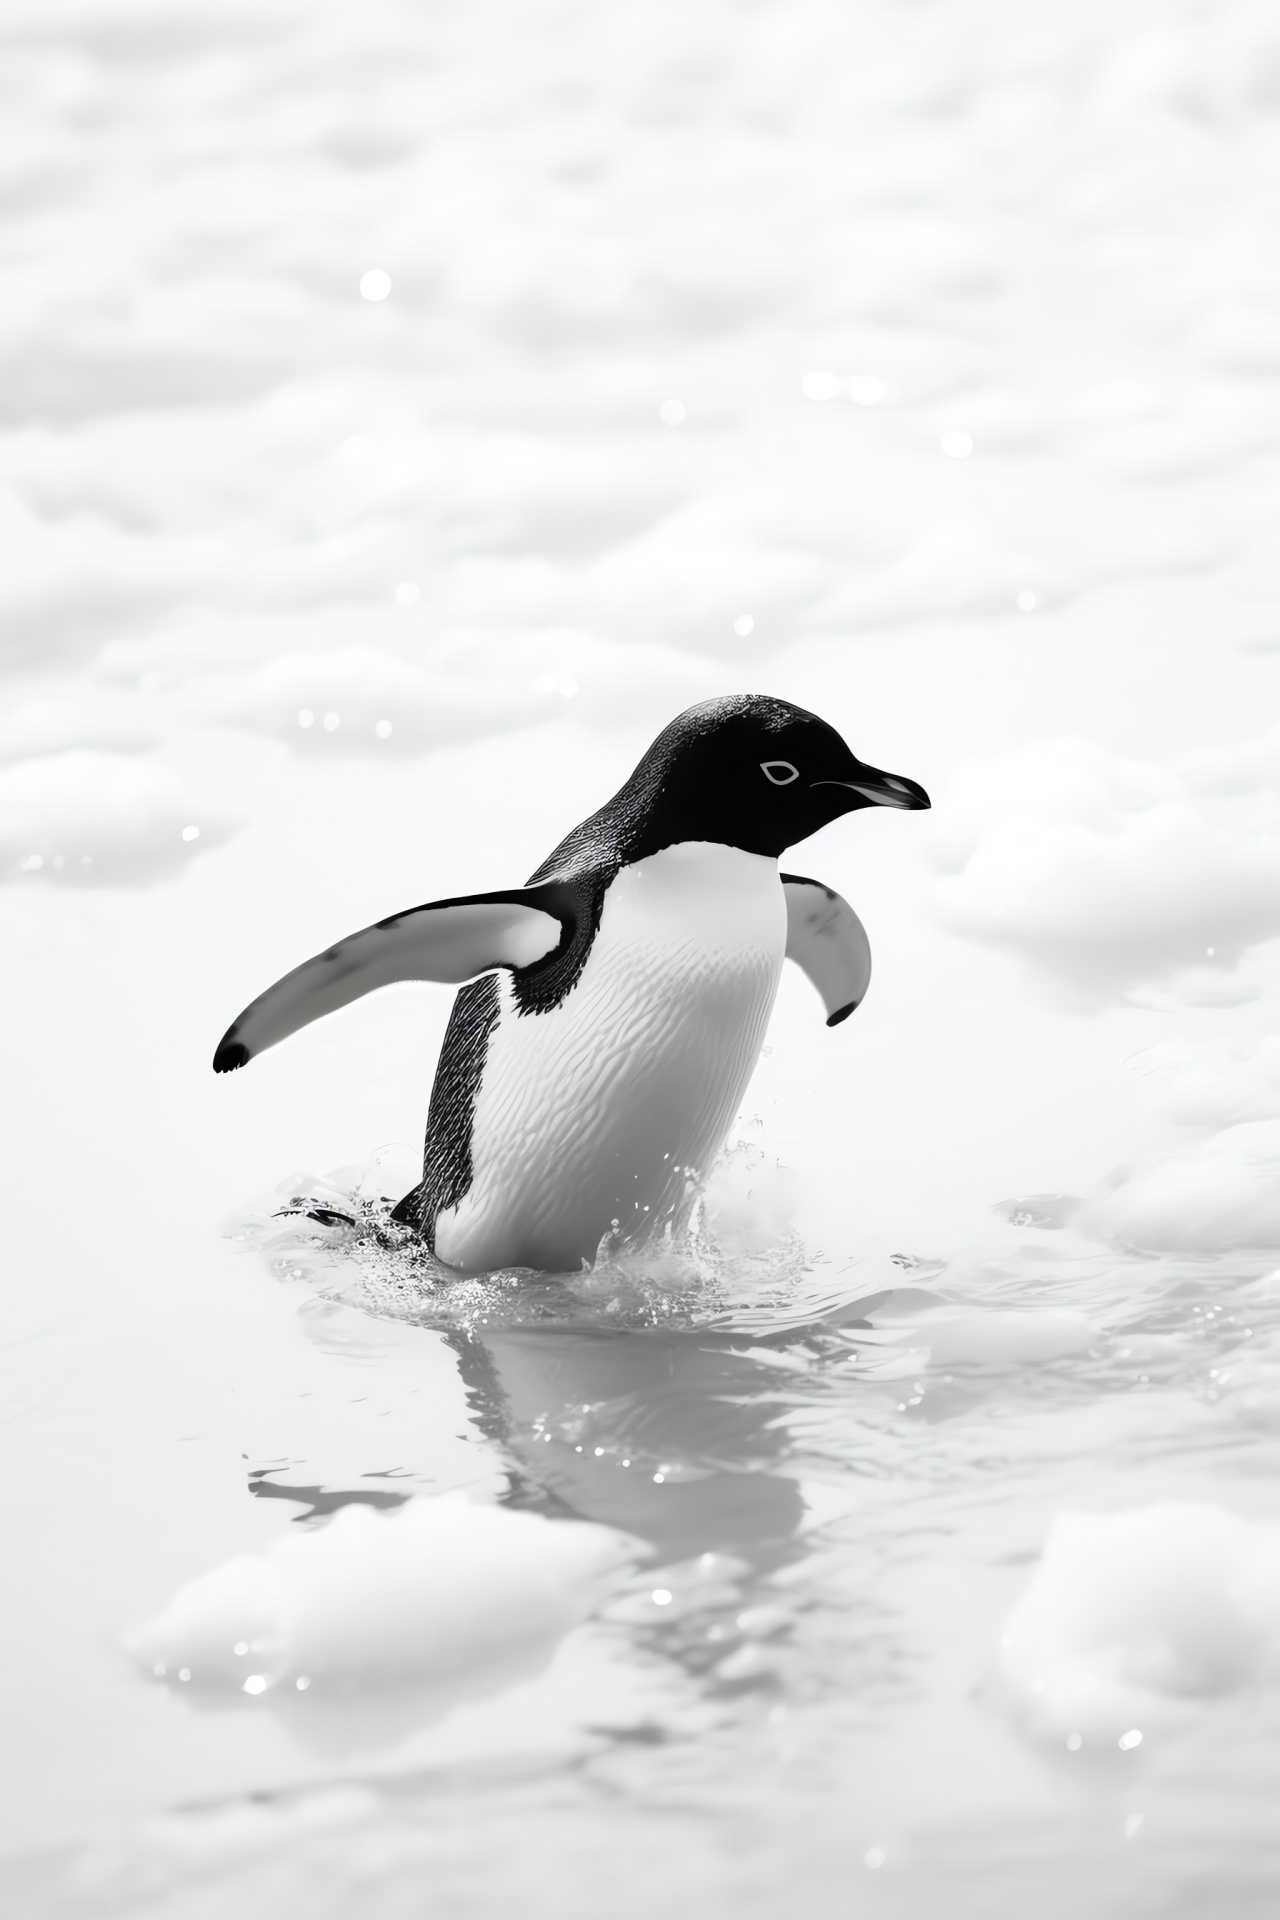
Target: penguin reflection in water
(617, 1002)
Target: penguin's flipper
(828, 941)
(446, 940)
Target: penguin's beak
(877, 789)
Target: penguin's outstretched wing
(826, 938)
(445, 940)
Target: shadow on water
(317, 1501)
(675, 1426)
(654, 1396)
(670, 1435)
(649, 1395)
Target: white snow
(920, 364)
(1205, 1085)
(1104, 871)
(1224, 1192)
(86, 816)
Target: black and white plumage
(594, 1067)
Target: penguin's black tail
(411, 1211)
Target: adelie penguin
(617, 1002)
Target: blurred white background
(406, 410)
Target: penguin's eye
(780, 772)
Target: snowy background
(406, 410)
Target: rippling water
(409, 410)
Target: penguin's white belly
(593, 1114)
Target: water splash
(731, 1250)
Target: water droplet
(744, 625)
(1026, 601)
(658, 1479)
(191, 833)
(306, 718)
(1128, 1741)
(383, 729)
(302, 1682)
(662, 1596)
(241, 1646)
(671, 413)
(375, 284)
(184, 1673)
(332, 722)
(1208, 953)
(256, 1683)
(820, 385)
(956, 446)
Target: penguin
(616, 1004)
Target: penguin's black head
(750, 771)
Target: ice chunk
(1221, 1193)
(1104, 873)
(442, 1589)
(1134, 1616)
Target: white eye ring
(780, 772)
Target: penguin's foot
(327, 1216)
(367, 1223)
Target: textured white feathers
(596, 1112)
